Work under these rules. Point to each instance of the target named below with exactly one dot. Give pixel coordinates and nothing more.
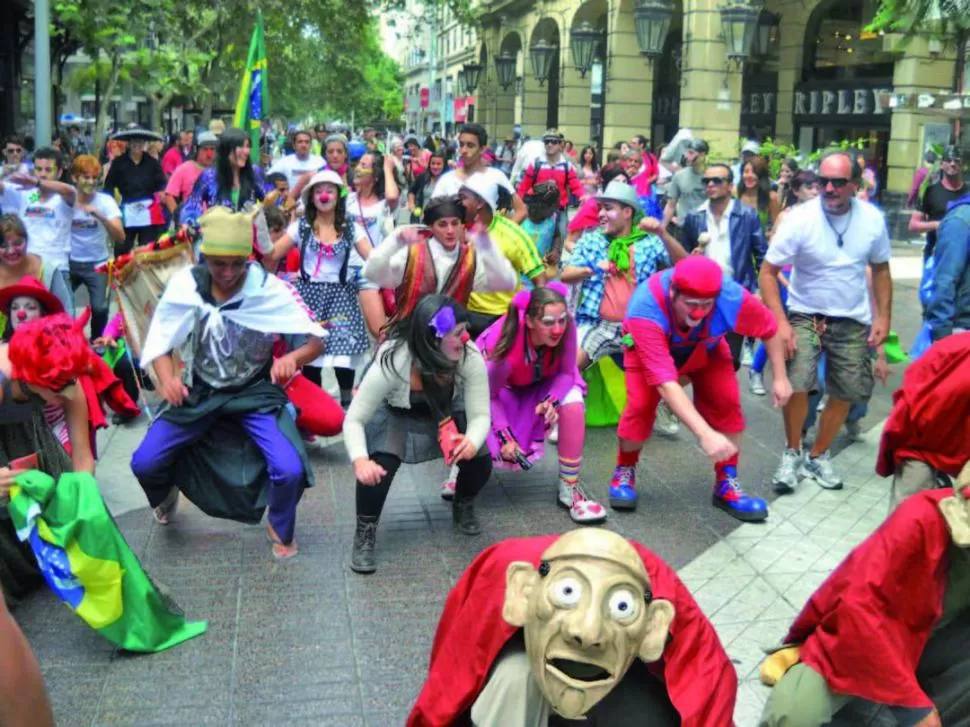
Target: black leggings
(472, 476)
(143, 236)
(345, 377)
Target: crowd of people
(466, 334)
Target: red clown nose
(696, 314)
(21, 315)
(465, 337)
(324, 197)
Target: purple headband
(443, 322)
(521, 299)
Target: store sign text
(758, 102)
(843, 102)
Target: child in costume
(534, 384)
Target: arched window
(837, 46)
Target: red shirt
(562, 173)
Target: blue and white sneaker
(729, 497)
(623, 488)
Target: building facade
(814, 76)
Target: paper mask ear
(955, 510)
(660, 614)
(520, 579)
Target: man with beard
(685, 192)
(676, 326)
(586, 625)
(829, 242)
(137, 177)
(472, 140)
(938, 197)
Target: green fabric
(112, 356)
(894, 350)
(88, 564)
(605, 393)
(619, 251)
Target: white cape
(269, 305)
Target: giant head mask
(587, 612)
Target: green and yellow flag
(252, 106)
(87, 563)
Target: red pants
(318, 413)
(717, 397)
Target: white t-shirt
(827, 279)
(89, 239)
(294, 168)
(329, 266)
(374, 218)
(48, 222)
(449, 183)
(719, 247)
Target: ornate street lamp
(473, 73)
(766, 36)
(739, 23)
(541, 53)
(505, 70)
(461, 82)
(652, 19)
(583, 42)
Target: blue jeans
(856, 412)
(97, 286)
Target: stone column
(916, 71)
(534, 105)
(628, 98)
(504, 110)
(710, 101)
(791, 51)
(574, 102)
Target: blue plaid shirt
(649, 256)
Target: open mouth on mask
(579, 671)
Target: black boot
(362, 559)
(463, 517)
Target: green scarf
(619, 252)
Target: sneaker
(756, 383)
(820, 469)
(553, 435)
(448, 489)
(623, 488)
(729, 496)
(463, 517)
(582, 509)
(747, 353)
(854, 430)
(786, 476)
(666, 422)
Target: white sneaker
(756, 383)
(820, 469)
(666, 422)
(582, 509)
(747, 353)
(448, 489)
(553, 435)
(786, 477)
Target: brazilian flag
(252, 105)
(87, 563)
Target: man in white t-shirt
(96, 217)
(45, 206)
(472, 140)
(829, 242)
(301, 161)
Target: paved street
(309, 642)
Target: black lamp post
(583, 42)
(473, 73)
(652, 19)
(766, 36)
(541, 53)
(739, 22)
(505, 70)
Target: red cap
(698, 276)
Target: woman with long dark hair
(332, 253)
(231, 182)
(422, 190)
(789, 167)
(754, 189)
(424, 396)
(374, 196)
(534, 382)
(589, 169)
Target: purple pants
(152, 461)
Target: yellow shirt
(520, 250)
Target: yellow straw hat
(226, 233)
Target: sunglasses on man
(551, 142)
(836, 182)
(713, 180)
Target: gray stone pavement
(309, 642)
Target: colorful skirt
(336, 307)
(528, 428)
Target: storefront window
(838, 48)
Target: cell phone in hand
(30, 462)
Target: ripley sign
(841, 101)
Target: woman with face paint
(332, 253)
(232, 181)
(40, 363)
(535, 384)
(16, 263)
(422, 190)
(424, 396)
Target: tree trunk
(109, 89)
(207, 110)
(158, 109)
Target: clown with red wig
(675, 326)
(534, 383)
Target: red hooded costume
(700, 679)
(865, 628)
(931, 410)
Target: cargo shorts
(845, 343)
